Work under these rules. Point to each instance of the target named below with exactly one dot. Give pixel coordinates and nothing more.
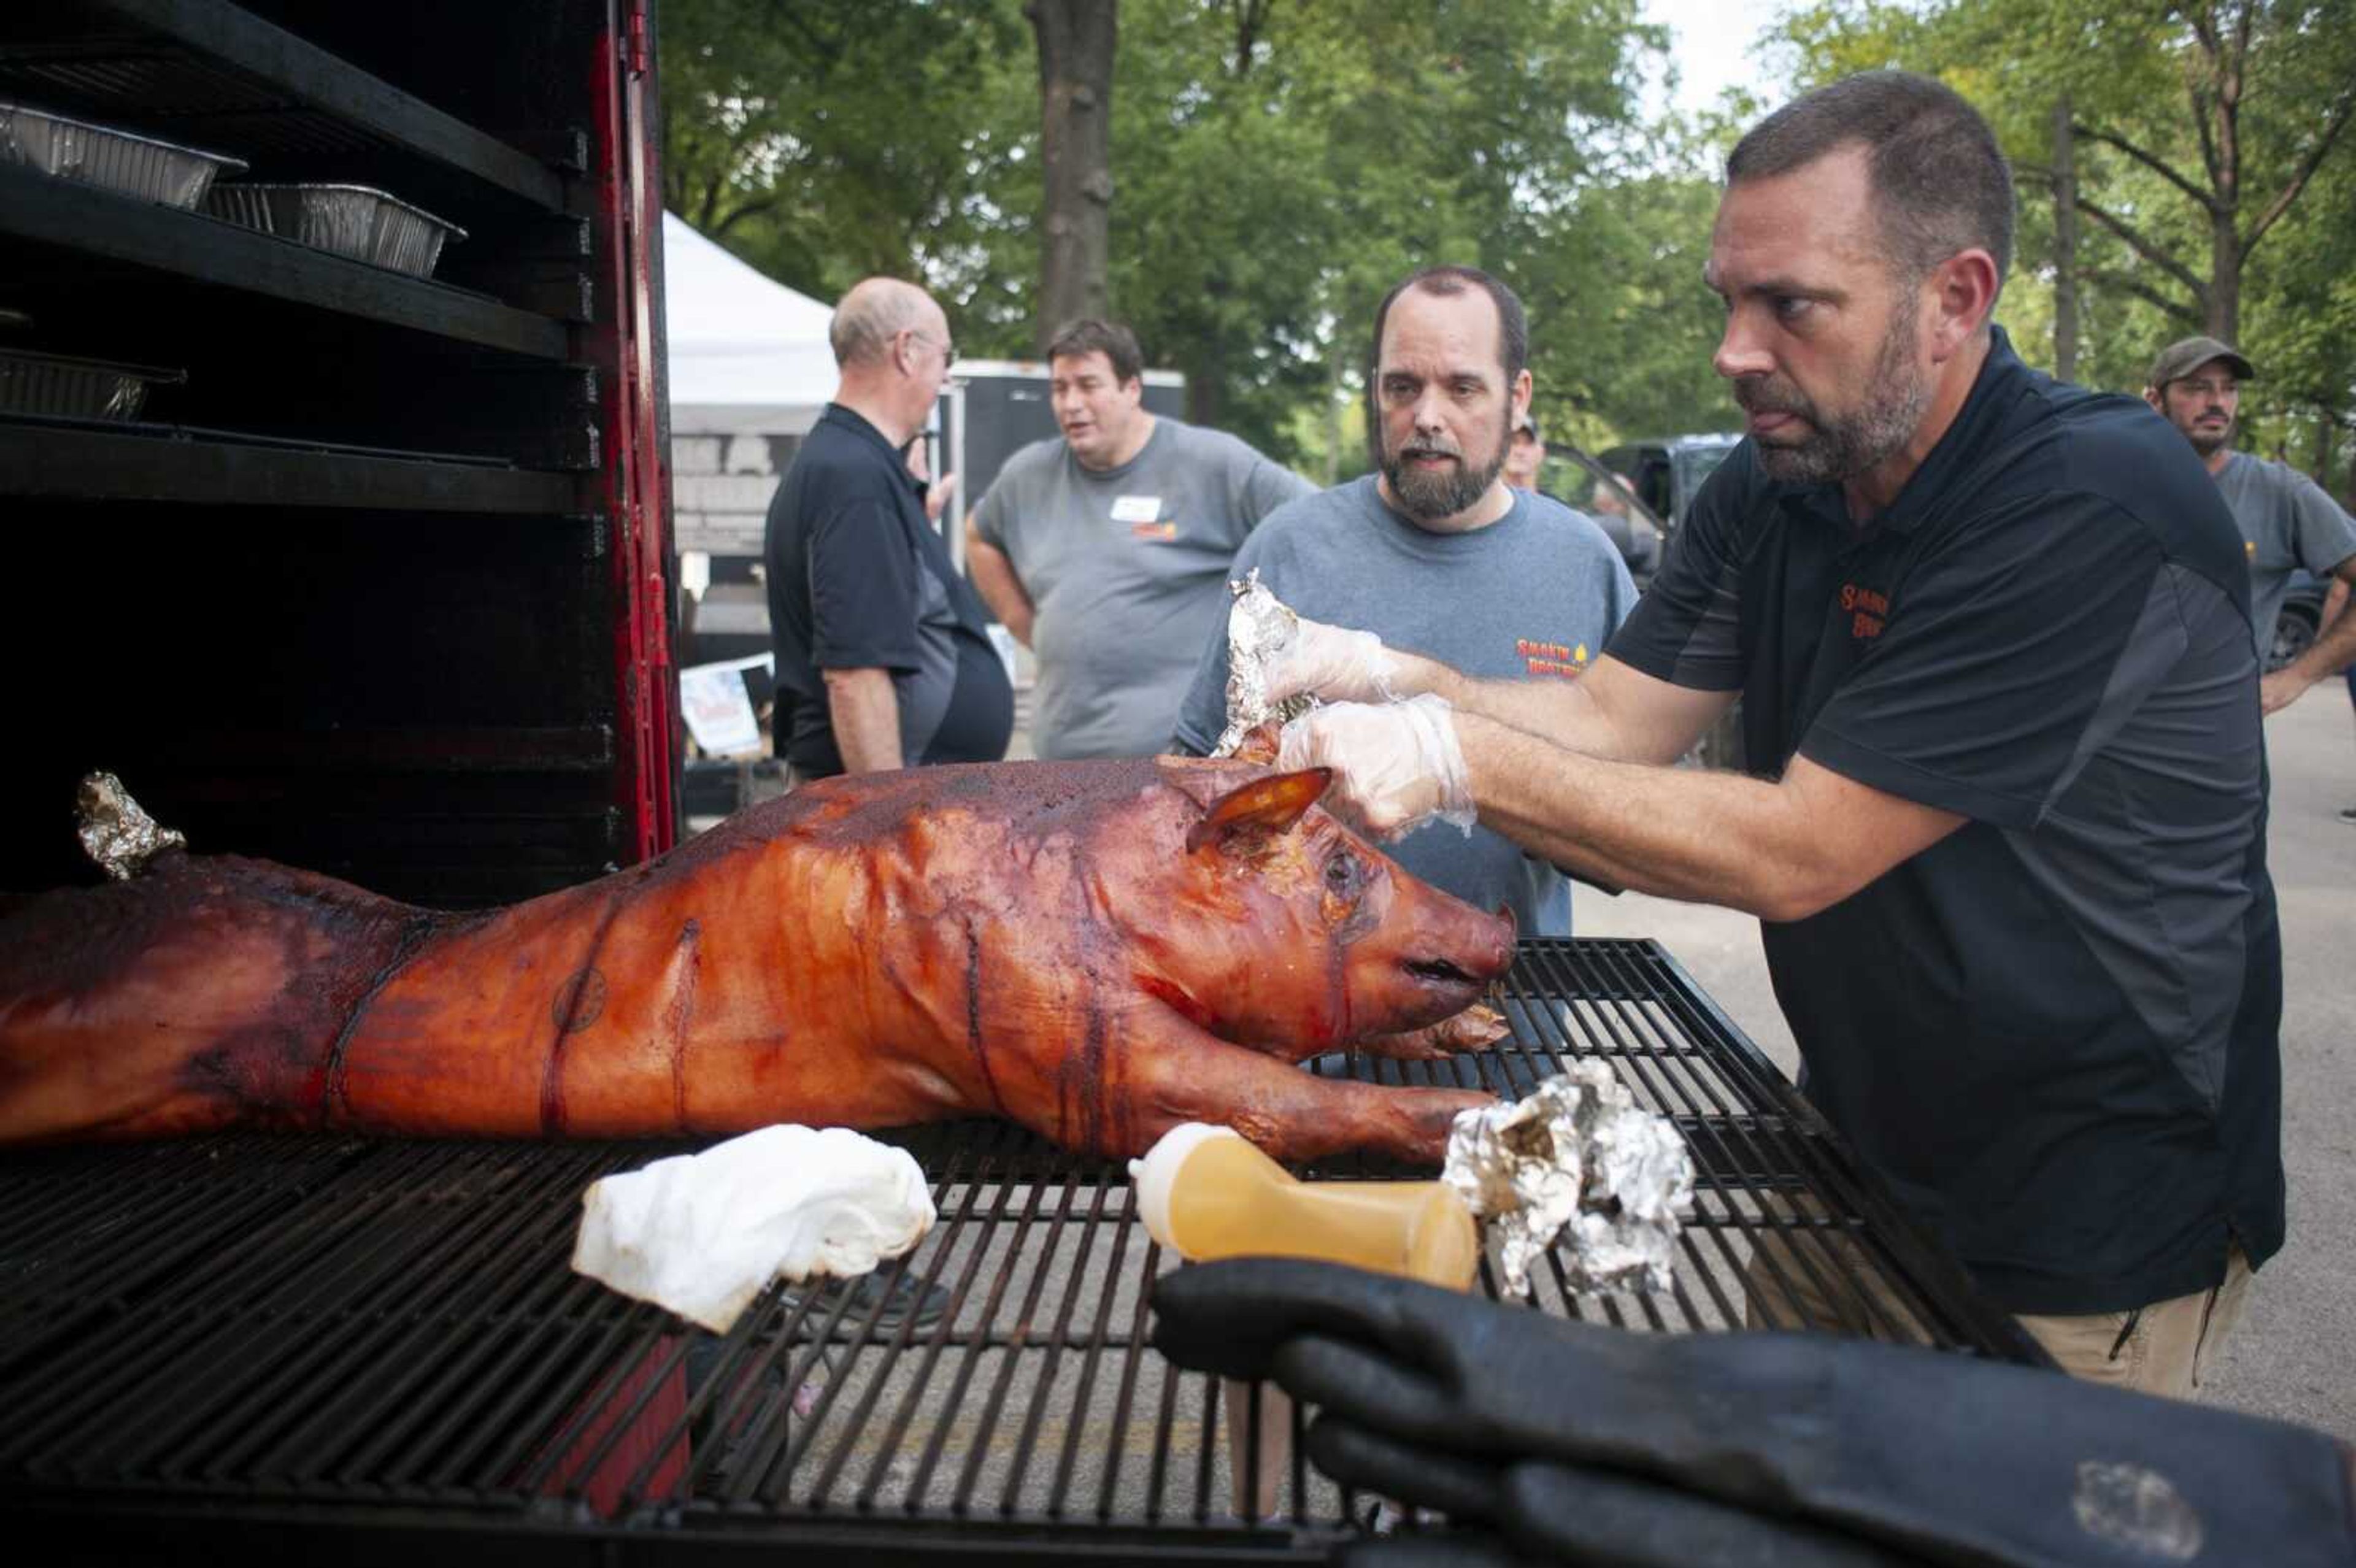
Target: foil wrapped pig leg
(1096, 950)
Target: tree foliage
(2214, 153)
(1277, 164)
(827, 139)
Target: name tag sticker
(1136, 508)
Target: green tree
(2212, 160)
(827, 139)
(1281, 163)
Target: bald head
(873, 313)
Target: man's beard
(1845, 445)
(2207, 441)
(1435, 496)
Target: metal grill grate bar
(345, 1327)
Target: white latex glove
(1334, 663)
(1396, 765)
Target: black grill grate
(336, 1335)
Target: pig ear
(1268, 806)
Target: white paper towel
(702, 1233)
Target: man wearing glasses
(883, 654)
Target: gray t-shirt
(1126, 571)
(2287, 523)
(1532, 596)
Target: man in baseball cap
(1525, 454)
(2286, 521)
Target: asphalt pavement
(2294, 1356)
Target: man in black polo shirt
(1991, 634)
(884, 658)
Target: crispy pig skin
(1098, 950)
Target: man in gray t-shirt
(2287, 523)
(1532, 595)
(1437, 554)
(1105, 550)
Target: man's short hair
(876, 310)
(1940, 183)
(1078, 339)
(1512, 326)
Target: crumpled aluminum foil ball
(1577, 1160)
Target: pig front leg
(1477, 1028)
(1177, 1072)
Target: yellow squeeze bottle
(1206, 1193)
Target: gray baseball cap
(2180, 359)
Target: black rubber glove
(1588, 1445)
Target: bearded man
(2287, 523)
(1435, 551)
(1991, 635)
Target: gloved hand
(1573, 1443)
(1332, 663)
(1396, 765)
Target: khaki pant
(2165, 1348)
(1806, 1275)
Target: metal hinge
(634, 41)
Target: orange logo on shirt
(1540, 658)
(1161, 532)
(1869, 610)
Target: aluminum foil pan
(76, 388)
(1577, 1160)
(355, 221)
(136, 166)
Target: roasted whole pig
(1098, 950)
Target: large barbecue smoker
(329, 437)
(329, 434)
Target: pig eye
(1343, 875)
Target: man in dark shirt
(1992, 639)
(883, 655)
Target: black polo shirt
(860, 579)
(2054, 1032)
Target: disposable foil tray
(76, 388)
(136, 166)
(353, 220)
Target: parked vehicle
(1667, 473)
(1575, 478)
(2299, 619)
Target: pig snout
(1449, 954)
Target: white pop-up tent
(747, 356)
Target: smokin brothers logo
(1551, 658)
(1161, 532)
(1867, 610)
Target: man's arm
(2333, 650)
(1614, 710)
(864, 711)
(1781, 851)
(995, 579)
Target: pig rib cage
(274, 1341)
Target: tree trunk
(1075, 53)
(1206, 382)
(2065, 244)
(2224, 322)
